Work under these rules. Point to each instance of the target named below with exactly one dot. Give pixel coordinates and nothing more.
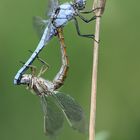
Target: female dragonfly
(59, 15)
(56, 104)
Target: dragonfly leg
(41, 60)
(45, 66)
(91, 11)
(42, 70)
(33, 68)
(92, 36)
(88, 20)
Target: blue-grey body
(65, 13)
(59, 15)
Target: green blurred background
(118, 98)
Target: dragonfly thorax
(80, 4)
(38, 85)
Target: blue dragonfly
(58, 16)
(55, 104)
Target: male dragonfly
(59, 15)
(55, 104)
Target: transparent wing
(52, 5)
(45, 29)
(39, 24)
(72, 110)
(53, 117)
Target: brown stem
(98, 13)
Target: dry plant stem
(94, 84)
(97, 3)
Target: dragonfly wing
(39, 24)
(72, 110)
(52, 5)
(53, 117)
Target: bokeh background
(118, 98)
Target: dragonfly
(58, 16)
(55, 104)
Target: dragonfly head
(80, 4)
(26, 79)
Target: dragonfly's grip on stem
(61, 75)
